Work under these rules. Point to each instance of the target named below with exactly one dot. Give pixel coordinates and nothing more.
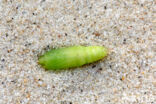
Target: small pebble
(154, 74)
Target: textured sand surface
(29, 28)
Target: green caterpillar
(70, 57)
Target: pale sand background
(126, 27)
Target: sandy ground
(31, 27)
